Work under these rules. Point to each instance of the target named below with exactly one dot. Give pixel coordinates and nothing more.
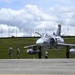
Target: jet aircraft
(52, 41)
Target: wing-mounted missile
(39, 34)
(32, 50)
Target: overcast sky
(20, 15)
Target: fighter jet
(50, 41)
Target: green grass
(21, 42)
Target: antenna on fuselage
(38, 34)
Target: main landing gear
(40, 53)
(67, 52)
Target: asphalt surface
(37, 66)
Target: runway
(37, 66)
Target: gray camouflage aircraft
(52, 41)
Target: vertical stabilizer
(58, 33)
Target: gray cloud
(33, 17)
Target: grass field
(21, 42)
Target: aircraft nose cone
(39, 42)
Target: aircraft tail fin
(58, 33)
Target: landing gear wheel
(46, 55)
(67, 52)
(40, 52)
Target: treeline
(37, 37)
